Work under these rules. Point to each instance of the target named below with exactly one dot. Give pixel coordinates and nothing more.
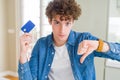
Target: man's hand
(25, 41)
(86, 47)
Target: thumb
(89, 50)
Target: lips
(61, 35)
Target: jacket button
(48, 64)
(22, 68)
(52, 52)
(45, 76)
(114, 50)
(72, 64)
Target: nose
(62, 28)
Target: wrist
(23, 58)
(23, 51)
(105, 47)
(100, 45)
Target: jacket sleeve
(28, 70)
(113, 53)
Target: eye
(56, 22)
(68, 23)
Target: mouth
(61, 35)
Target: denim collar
(71, 38)
(70, 41)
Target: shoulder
(84, 35)
(44, 40)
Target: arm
(112, 53)
(91, 45)
(109, 50)
(27, 70)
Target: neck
(59, 43)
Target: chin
(62, 39)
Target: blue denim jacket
(43, 52)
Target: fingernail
(79, 53)
(81, 62)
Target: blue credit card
(28, 26)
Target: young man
(64, 54)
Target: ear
(49, 20)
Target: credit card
(28, 26)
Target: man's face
(61, 28)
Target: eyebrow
(59, 21)
(55, 20)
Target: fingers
(25, 41)
(82, 48)
(88, 51)
(85, 48)
(26, 38)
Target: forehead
(63, 18)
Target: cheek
(55, 29)
(68, 29)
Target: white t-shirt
(61, 66)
